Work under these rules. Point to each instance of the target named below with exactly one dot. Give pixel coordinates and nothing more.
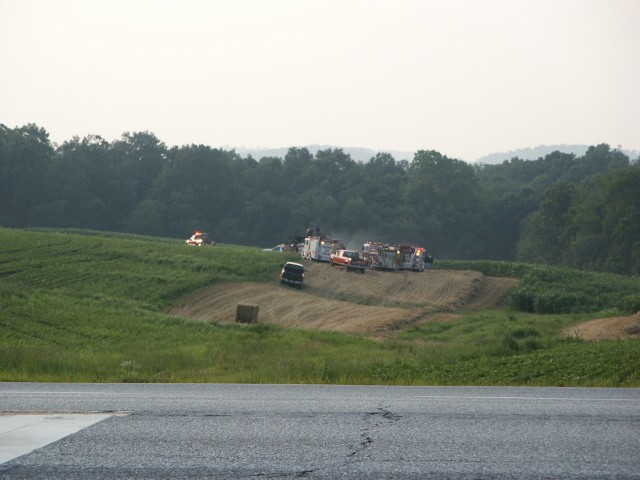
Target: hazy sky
(463, 77)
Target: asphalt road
(180, 431)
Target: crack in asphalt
(373, 421)
(372, 424)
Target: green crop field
(89, 307)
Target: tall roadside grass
(88, 307)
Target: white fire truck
(318, 248)
(413, 257)
(381, 256)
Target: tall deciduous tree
(604, 232)
(543, 240)
(141, 155)
(442, 196)
(25, 154)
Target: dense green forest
(581, 212)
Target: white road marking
(553, 399)
(22, 434)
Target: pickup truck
(349, 259)
(292, 274)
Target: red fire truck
(381, 256)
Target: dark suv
(292, 274)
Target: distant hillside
(356, 153)
(365, 154)
(532, 153)
(542, 150)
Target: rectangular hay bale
(246, 313)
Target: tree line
(582, 212)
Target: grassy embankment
(89, 308)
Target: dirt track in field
(371, 303)
(606, 329)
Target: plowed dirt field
(332, 299)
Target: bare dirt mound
(333, 299)
(606, 329)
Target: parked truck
(319, 247)
(292, 274)
(349, 259)
(199, 239)
(413, 257)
